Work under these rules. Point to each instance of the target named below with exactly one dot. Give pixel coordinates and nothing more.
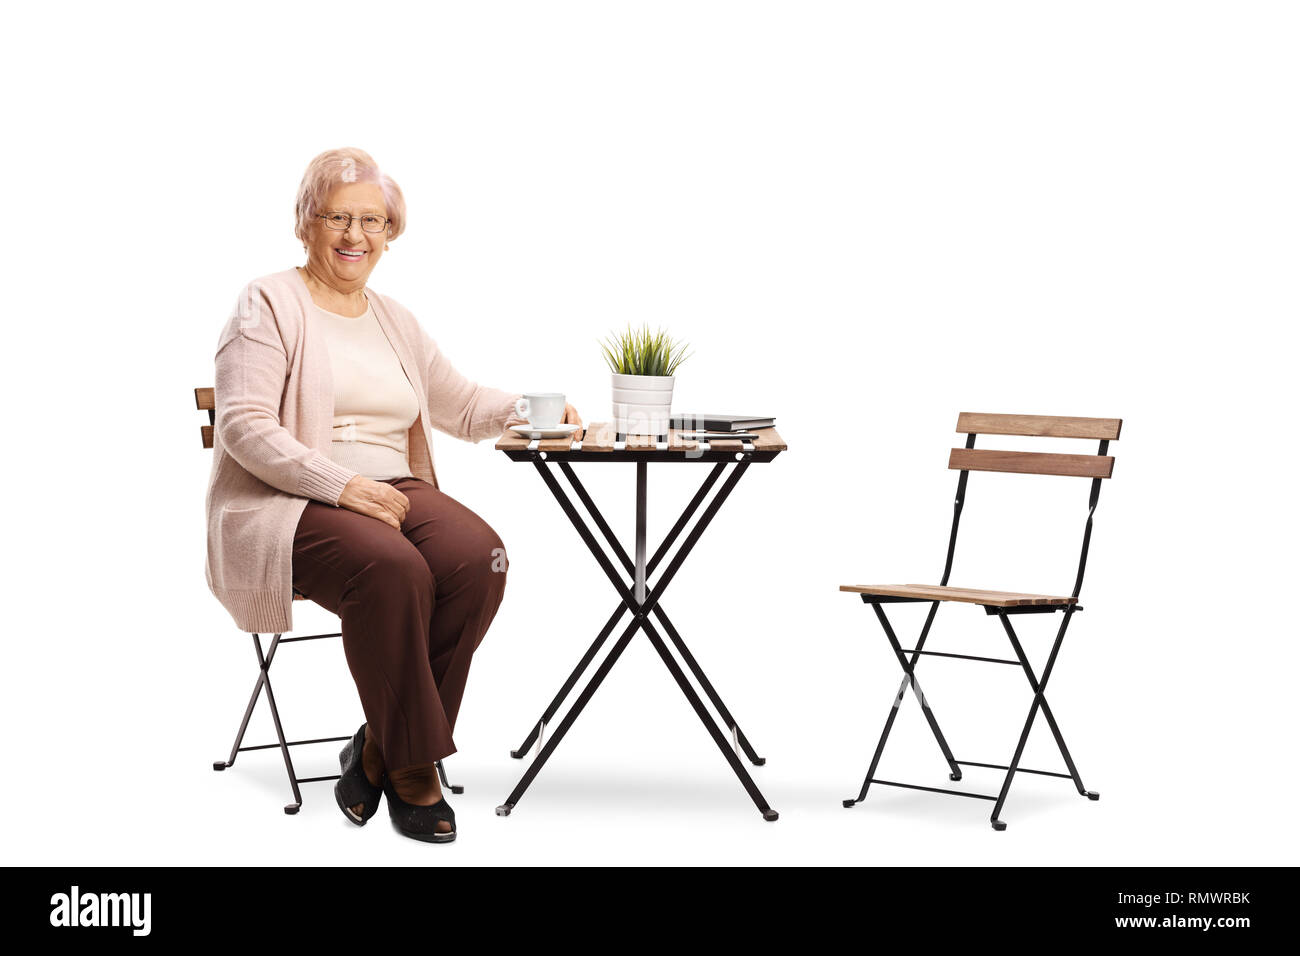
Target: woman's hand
(375, 499)
(571, 417)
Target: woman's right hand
(376, 499)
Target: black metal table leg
(641, 604)
(638, 571)
(705, 718)
(727, 720)
(549, 747)
(631, 567)
(549, 714)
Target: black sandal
(419, 822)
(353, 787)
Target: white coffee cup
(541, 409)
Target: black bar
(594, 546)
(309, 637)
(696, 500)
(294, 743)
(965, 657)
(597, 517)
(1040, 701)
(909, 668)
(1002, 766)
(638, 571)
(955, 793)
(992, 610)
(1094, 494)
(956, 515)
(587, 658)
(549, 747)
(1039, 686)
(724, 745)
(265, 664)
(662, 584)
(727, 720)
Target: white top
(374, 402)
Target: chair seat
(935, 592)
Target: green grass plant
(640, 351)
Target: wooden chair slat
(207, 435)
(1044, 426)
(1031, 462)
(554, 444)
(935, 592)
(205, 399)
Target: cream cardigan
(274, 423)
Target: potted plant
(642, 364)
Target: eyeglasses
(342, 222)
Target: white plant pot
(642, 403)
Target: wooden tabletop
(599, 439)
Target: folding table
(601, 444)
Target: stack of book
(721, 424)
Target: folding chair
(205, 399)
(1002, 604)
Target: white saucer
(559, 431)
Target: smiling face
(344, 259)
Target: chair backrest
(206, 400)
(1098, 466)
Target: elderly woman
(323, 483)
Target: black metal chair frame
(264, 681)
(1037, 683)
(642, 600)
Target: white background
(864, 218)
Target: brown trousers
(414, 604)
